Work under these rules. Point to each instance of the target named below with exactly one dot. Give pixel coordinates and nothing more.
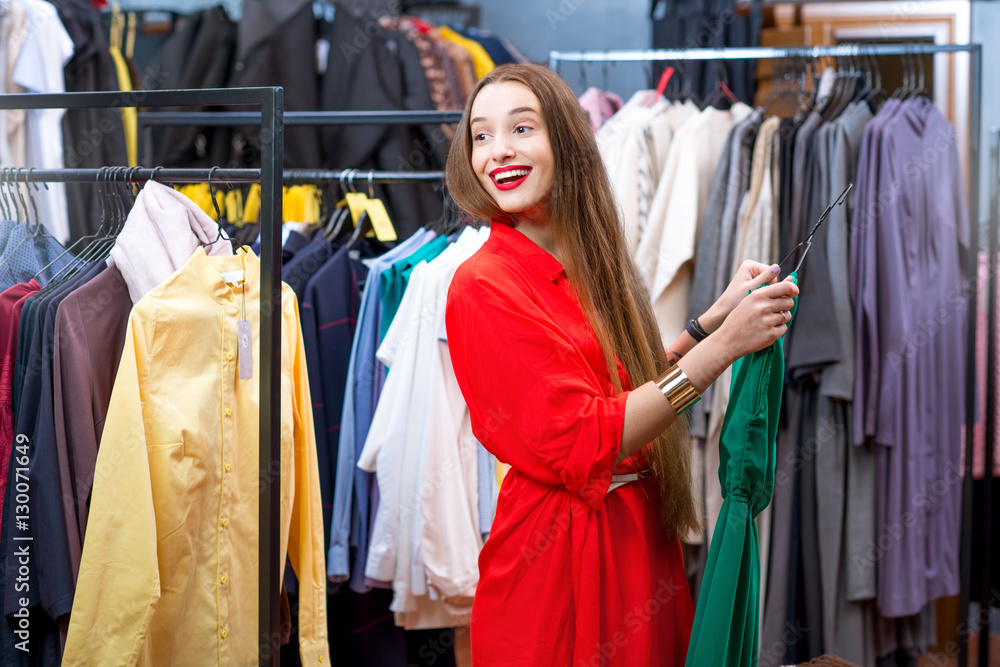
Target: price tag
(244, 349)
(384, 231)
(357, 202)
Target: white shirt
(401, 431)
(40, 69)
(621, 141)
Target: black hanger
(335, 223)
(807, 241)
(31, 198)
(218, 217)
(3, 198)
(96, 240)
(364, 223)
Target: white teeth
(513, 173)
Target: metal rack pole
(271, 103)
(271, 161)
(755, 52)
(986, 524)
(202, 175)
(300, 117)
(965, 549)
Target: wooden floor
(944, 660)
(464, 658)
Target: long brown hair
(587, 227)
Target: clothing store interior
(148, 236)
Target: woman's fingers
(761, 274)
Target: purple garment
(862, 252)
(600, 105)
(911, 318)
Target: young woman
(559, 358)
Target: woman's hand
(760, 319)
(749, 276)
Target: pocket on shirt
(168, 476)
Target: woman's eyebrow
(518, 110)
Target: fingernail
(775, 269)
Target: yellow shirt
(169, 567)
(481, 60)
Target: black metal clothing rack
(218, 175)
(975, 73)
(271, 177)
(270, 101)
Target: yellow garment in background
(170, 561)
(481, 61)
(130, 118)
(301, 203)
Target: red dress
(570, 575)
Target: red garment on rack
(570, 574)
(11, 302)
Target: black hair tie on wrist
(696, 331)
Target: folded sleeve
(535, 402)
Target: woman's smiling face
(511, 153)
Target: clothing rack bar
(271, 103)
(360, 177)
(185, 175)
(299, 117)
(756, 52)
(965, 548)
(131, 175)
(271, 566)
(159, 98)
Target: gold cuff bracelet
(676, 386)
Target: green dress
(727, 618)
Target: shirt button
(228, 412)
(230, 297)
(222, 579)
(228, 467)
(229, 356)
(225, 522)
(321, 658)
(223, 633)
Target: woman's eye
(521, 129)
(479, 137)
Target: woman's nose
(502, 149)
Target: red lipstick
(502, 172)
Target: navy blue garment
(306, 262)
(293, 244)
(329, 312)
(493, 46)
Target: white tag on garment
(244, 353)
(322, 55)
(233, 278)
